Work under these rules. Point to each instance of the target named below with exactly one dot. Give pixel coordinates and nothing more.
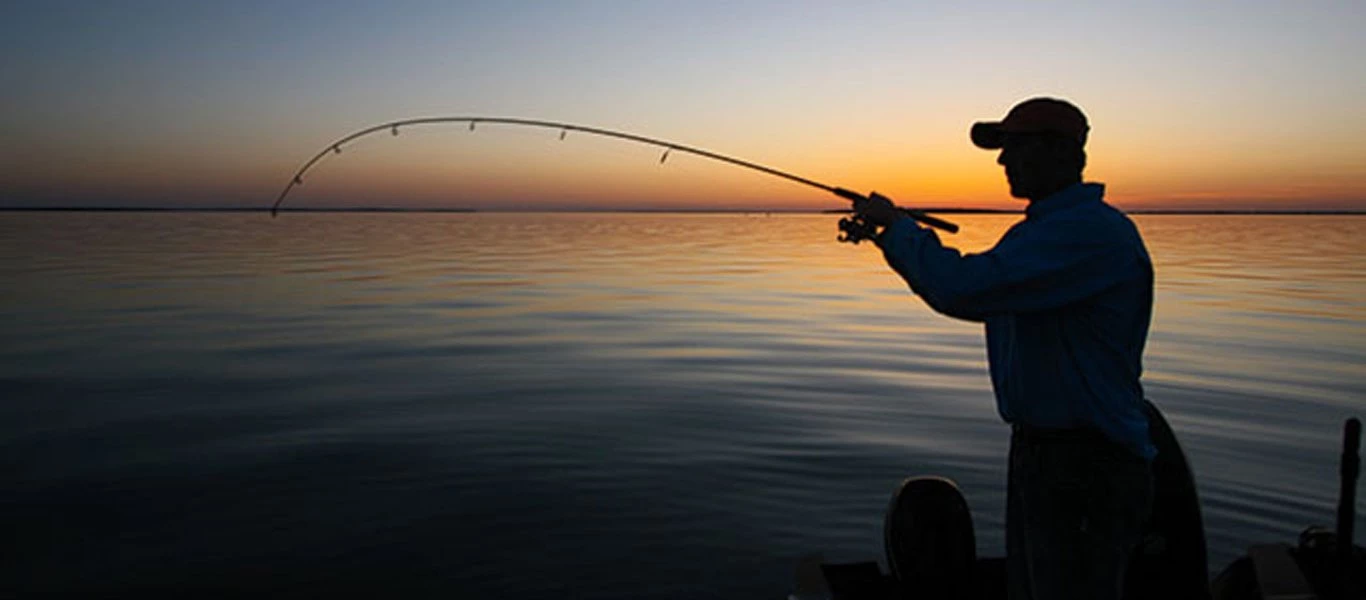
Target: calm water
(586, 405)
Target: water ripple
(625, 406)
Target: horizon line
(391, 209)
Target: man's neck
(1053, 189)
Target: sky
(1193, 105)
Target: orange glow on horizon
(1193, 106)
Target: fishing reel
(855, 229)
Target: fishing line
(854, 228)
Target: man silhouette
(1066, 297)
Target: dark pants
(1075, 510)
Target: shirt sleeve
(1035, 267)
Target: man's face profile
(1033, 164)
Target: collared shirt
(1066, 296)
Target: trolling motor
(852, 229)
(1347, 555)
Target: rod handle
(935, 222)
(931, 220)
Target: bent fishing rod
(854, 229)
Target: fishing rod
(855, 228)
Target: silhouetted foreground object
(850, 226)
(930, 543)
(1324, 563)
(1171, 560)
(1065, 296)
(931, 549)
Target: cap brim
(987, 135)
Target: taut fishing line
(854, 229)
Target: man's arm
(1035, 267)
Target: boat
(930, 547)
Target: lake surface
(586, 405)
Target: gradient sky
(1192, 104)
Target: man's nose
(1001, 158)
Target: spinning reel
(856, 229)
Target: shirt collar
(1067, 197)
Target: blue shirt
(1066, 296)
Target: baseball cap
(1035, 115)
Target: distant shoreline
(959, 211)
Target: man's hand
(878, 210)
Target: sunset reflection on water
(699, 387)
